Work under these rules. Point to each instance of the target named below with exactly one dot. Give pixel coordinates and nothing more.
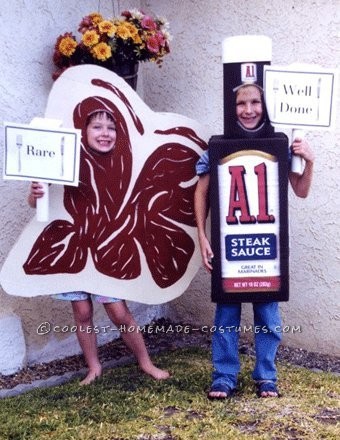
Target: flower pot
(104, 43)
(128, 71)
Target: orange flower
(67, 46)
(101, 51)
(126, 30)
(107, 27)
(90, 38)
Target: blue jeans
(267, 335)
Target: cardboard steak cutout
(128, 229)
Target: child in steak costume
(251, 121)
(99, 142)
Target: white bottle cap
(246, 48)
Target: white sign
(44, 155)
(300, 95)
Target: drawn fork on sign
(275, 89)
(318, 97)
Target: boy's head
(249, 106)
(101, 131)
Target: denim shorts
(81, 296)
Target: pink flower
(148, 23)
(160, 38)
(153, 44)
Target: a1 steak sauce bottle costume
(248, 184)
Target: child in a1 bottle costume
(251, 119)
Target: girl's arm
(36, 192)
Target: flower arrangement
(132, 37)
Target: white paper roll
(42, 210)
(297, 164)
(246, 48)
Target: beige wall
(190, 83)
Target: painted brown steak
(113, 228)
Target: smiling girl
(101, 137)
(101, 132)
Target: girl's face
(101, 133)
(249, 107)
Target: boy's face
(249, 107)
(101, 133)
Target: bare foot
(154, 372)
(92, 375)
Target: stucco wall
(190, 83)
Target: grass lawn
(126, 405)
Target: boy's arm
(301, 184)
(201, 208)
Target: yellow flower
(132, 29)
(67, 46)
(90, 38)
(101, 51)
(107, 27)
(137, 39)
(134, 33)
(126, 30)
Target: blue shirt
(203, 164)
